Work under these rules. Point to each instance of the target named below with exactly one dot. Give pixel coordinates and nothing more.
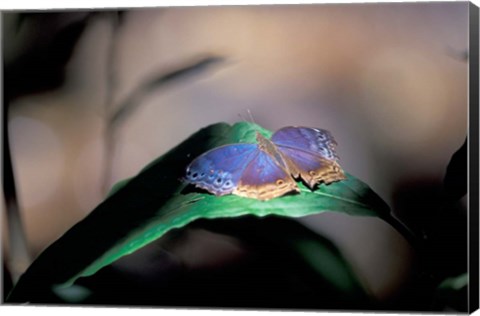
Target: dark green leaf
(455, 283)
(452, 293)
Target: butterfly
(268, 169)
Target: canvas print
(278, 157)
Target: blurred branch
(109, 141)
(134, 99)
(414, 240)
(460, 55)
(116, 115)
(110, 64)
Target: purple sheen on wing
(313, 140)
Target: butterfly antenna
(251, 116)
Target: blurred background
(93, 96)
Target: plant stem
(412, 239)
(109, 131)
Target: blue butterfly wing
(245, 170)
(218, 170)
(309, 153)
(241, 169)
(263, 178)
(313, 140)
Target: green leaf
(156, 201)
(454, 283)
(452, 293)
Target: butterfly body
(267, 169)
